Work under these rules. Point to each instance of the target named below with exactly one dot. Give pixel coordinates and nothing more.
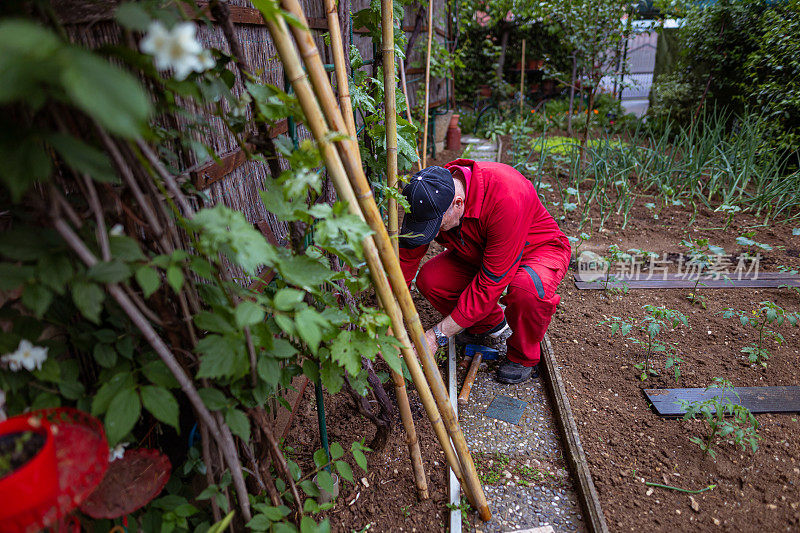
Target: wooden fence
(236, 182)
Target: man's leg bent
(531, 302)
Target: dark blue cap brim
(418, 233)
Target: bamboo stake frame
(427, 86)
(320, 131)
(342, 82)
(351, 159)
(390, 112)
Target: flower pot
(325, 496)
(453, 139)
(485, 90)
(35, 482)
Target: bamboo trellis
(348, 176)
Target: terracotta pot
(454, 134)
(36, 482)
(485, 90)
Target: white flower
(177, 49)
(206, 60)
(116, 230)
(27, 355)
(117, 452)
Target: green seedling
(615, 256)
(577, 242)
(730, 211)
(656, 319)
(740, 429)
(766, 314)
(746, 240)
(702, 256)
(793, 272)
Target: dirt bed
(626, 443)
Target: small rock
(677, 511)
(365, 482)
(507, 474)
(694, 505)
(649, 492)
(716, 521)
(771, 506)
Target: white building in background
(641, 61)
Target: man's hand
(430, 337)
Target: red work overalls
(506, 239)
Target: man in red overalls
(497, 236)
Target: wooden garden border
(593, 515)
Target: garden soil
(626, 443)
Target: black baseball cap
(429, 193)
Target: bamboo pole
(348, 150)
(408, 107)
(342, 82)
(316, 124)
(427, 86)
(522, 80)
(390, 108)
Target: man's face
(452, 217)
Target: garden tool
(478, 354)
(487, 354)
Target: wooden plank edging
(568, 430)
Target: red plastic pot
(36, 482)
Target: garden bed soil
(627, 444)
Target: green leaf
(88, 298)
(224, 230)
(239, 424)
(105, 355)
(331, 376)
(283, 349)
(214, 399)
(37, 298)
(54, 271)
(108, 94)
(221, 355)
(320, 458)
(325, 481)
(83, 158)
(259, 523)
(25, 160)
(160, 402)
(12, 276)
(336, 450)
(269, 369)
(358, 455)
(214, 322)
(310, 326)
(122, 415)
(249, 313)
(175, 277)
(158, 374)
(104, 395)
(125, 248)
(345, 472)
(222, 525)
(287, 299)
(303, 271)
(148, 279)
(113, 271)
(133, 16)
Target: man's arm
(409, 261)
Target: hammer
(478, 353)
